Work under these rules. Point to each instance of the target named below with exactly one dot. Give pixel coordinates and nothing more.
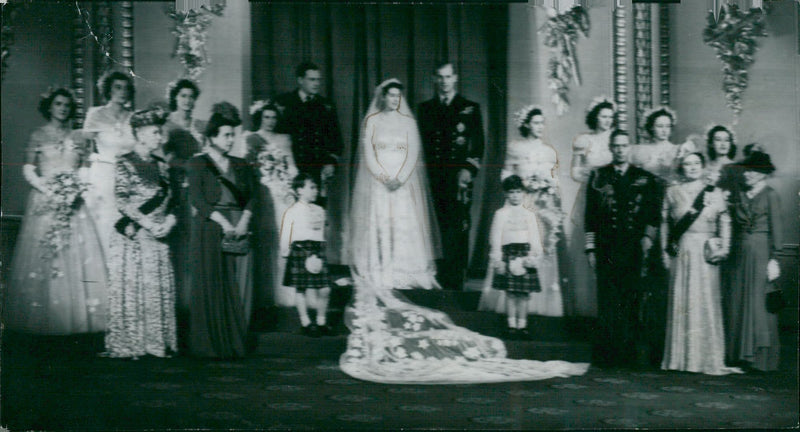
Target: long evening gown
(141, 311)
(583, 283)
(276, 169)
(527, 161)
(392, 245)
(222, 282)
(64, 293)
(695, 339)
(753, 332)
(113, 137)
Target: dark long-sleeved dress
(222, 282)
(753, 332)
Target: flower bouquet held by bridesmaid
(58, 274)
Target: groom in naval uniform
(623, 211)
(452, 137)
(310, 119)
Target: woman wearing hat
(752, 330)
(141, 298)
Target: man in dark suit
(311, 121)
(452, 135)
(623, 211)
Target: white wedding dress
(392, 245)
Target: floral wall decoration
(191, 32)
(561, 35)
(10, 11)
(733, 35)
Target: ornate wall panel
(663, 53)
(643, 60)
(620, 66)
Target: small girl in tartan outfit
(515, 248)
(303, 243)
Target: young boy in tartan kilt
(515, 248)
(303, 243)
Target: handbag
(713, 252)
(236, 245)
(775, 301)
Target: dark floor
(293, 382)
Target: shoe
(311, 330)
(326, 330)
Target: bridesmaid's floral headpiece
(52, 89)
(599, 100)
(259, 105)
(521, 116)
(659, 111)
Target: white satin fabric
(391, 245)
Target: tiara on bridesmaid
(259, 105)
(521, 115)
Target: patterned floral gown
(142, 287)
(56, 292)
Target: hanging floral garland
(191, 33)
(561, 35)
(733, 36)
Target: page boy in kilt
(303, 243)
(515, 247)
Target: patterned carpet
(59, 384)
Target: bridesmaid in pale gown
(271, 153)
(661, 156)
(721, 149)
(589, 151)
(536, 162)
(109, 125)
(58, 275)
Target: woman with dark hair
(589, 151)
(271, 153)
(661, 156)
(536, 162)
(58, 275)
(752, 334)
(696, 229)
(183, 140)
(721, 149)
(141, 311)
(109, 125)
(221, 188)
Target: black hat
(758, 161)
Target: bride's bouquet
(276, 172)
(66, 188)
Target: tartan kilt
(516, 285)
(296, 275)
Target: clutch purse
(713, 251)
(775, 301)
(236, 245)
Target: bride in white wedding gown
(391, 244)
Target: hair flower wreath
(662, 108)
(259, 105)
(521, 115)
(599, 100)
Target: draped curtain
(359, 45)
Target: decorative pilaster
(105, 33)
(620, 66)
(663, 51)
(77, 68)
(643, 61)
(126, 22)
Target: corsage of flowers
(67, 188)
